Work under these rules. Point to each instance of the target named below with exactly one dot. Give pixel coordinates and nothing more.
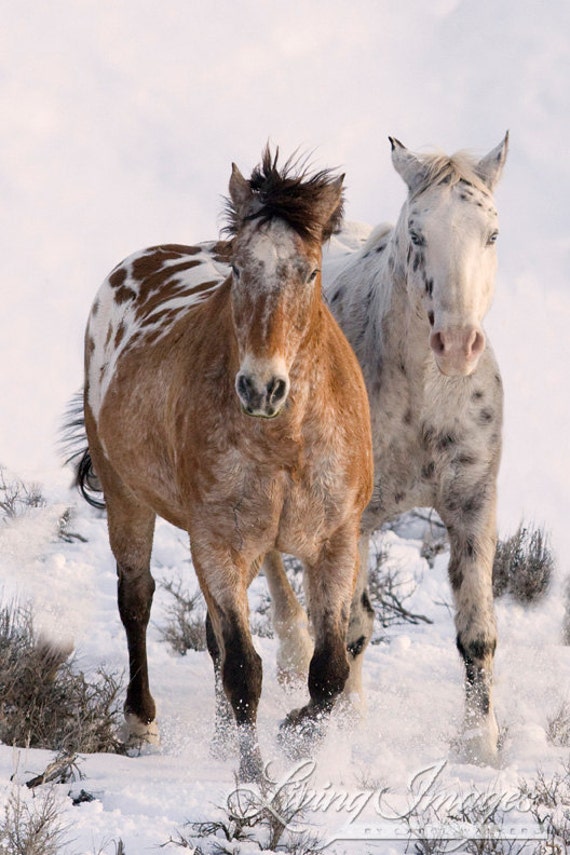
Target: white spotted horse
(411, 301)
(227, 401)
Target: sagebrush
(31, 827)
(185, 627)
(44, 701)
(275, 824)
(523, 564)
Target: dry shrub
(523, 565)
(31, 828)
(44, 703)
(16, 497)
(558, 727)
(185, 627)
(549, 802)
(387, 592)
(245, 819)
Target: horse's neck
(392, 330)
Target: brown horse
(235, 410)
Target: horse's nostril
(477, 343)
(437, 343)
(276, 390)
(244, 386)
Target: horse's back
(341, 249)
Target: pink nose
(457, 350)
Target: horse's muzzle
(259, 398)
(457, 350)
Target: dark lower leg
(135, 592)
(331, 584)
(238, 676)
(241, 674)
(224, 720)
(328, 672)
(477, 656)
(470, 574)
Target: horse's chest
(266, 502)
(423, 443)
(312, 508)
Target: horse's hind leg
(472, 536)
(361, 623)
(289, 622)
(131, 529)
(130, 532)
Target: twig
(59, 770)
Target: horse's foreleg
(224, 722)
(225, 590)
(289, 622)
(241, 679)
(361, 623)
(330, 584)
(473, 540)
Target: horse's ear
(407, 164)
(490, 167)
(240, 191)
(330, 207)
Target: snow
(120, 123)
(413, 686)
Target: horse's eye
(235, 271)
(493, 238)
(416, 238)
(313, 275)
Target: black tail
(76, 453)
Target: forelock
(290, 192)
(440, 168)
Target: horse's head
(279, 223)
(452, 230)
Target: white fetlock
(294, 653)
(137, 736)
(353, 687)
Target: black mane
(290, 193)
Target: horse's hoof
(301, 732)
(251, 764)
(139, 738)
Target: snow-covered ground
(370, 769)
(120, 122)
